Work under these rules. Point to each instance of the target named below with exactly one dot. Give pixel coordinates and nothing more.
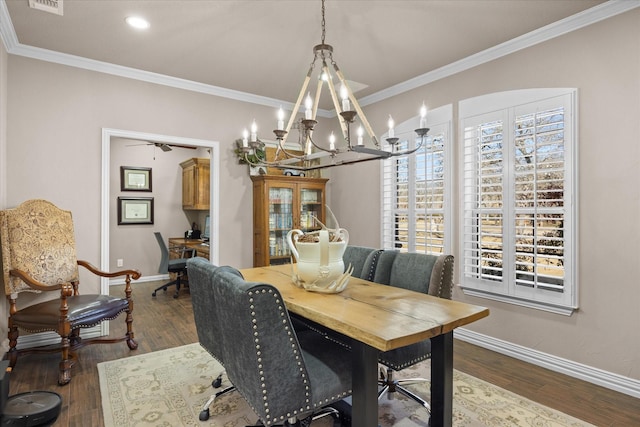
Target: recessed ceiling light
(137, 22)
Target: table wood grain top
(384, 317)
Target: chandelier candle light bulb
(360, 135)
(280, 119)
(332, 142)
(423, 116)
(245, 135)
(344, 94)
(308, 103)
(254, 131)
(391, 124)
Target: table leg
(442, 380)
(364, 410)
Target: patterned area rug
(168, 388)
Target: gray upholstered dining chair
(284, 375)
(430, 274)
(362, 259)
(207, 321)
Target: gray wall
(603, 62)
(55, 114)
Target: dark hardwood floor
(164, 322)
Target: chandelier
(312, 155)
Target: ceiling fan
(164, 146)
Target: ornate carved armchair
(39, 255)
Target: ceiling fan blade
(183, 146)
(163, 146)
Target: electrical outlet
(120, 263)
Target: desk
(380, 318)
(202, 250)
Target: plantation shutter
(396, 199)
(483, 215)
(415, 192)
(517, 192)
(429, 196)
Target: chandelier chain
(323, 23)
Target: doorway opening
(108, 138)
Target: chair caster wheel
(217, 383)
(175, 295)
(153, 294)
(204, 415)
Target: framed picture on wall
(135, 179)
(135, 210)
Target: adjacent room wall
(136, 244)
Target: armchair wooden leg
(131, 343)
(64, 374)
(12, 354)
(75, 338)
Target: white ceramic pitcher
(319, 265)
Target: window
(517, 197)
(415, 200)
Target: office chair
(286, 377)
(431, 274)
(177, 266)
(39, 255)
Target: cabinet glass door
(310, 209)
(280, 222)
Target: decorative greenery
(254, 156)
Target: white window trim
(507, 100)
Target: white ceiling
(264, 47)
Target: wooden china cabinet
(280, 204)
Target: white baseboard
(140, 280)
(587, 373)
(51, 338)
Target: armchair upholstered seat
(39, 255)
(283, 375)
(85, 311)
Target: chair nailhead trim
(270, 419)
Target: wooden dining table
(379, 318)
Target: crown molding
(590, 16)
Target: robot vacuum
(30, 409)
